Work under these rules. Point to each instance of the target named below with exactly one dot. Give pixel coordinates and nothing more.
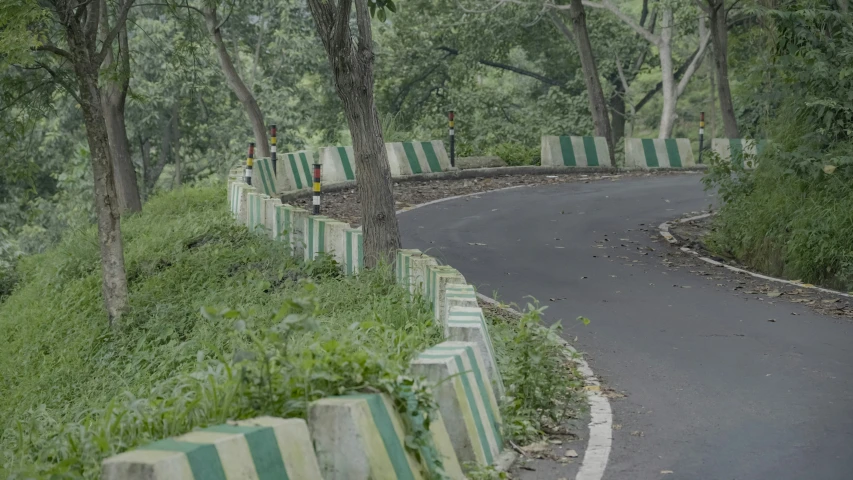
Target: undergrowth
(223, 325)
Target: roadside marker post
(452, 139)
(272, 149)
(316, 189)
(701, 133)
(250, 161)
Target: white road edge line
(598, 446)
(664, 232)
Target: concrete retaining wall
(741, 151)
(464, 394)
(575, 151)
(261, 448)
(658, 153)
(294, 170)
(263, 176)
(338, 164)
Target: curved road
(717, 390)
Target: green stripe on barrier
(412, 157)
(267, 177)
(264, 448)
(345, 161)
(649, 152)
(321, 234)
(672, 152)
(295, 171)
(305, 168)
(359, 241)
(736, 151)
(203, 458)
(393, 445)
(568, 150)
(432, 159)
(349, 253)
(591, 151)
(310, 242)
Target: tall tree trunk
(145, 151)
(720, 40)
(352, 66)
(232, 78)
(176, 143)
(597, 103)
(618, 117)
(81, 45)
(114, 96)
(667, 117)
(712, 107)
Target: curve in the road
(714, 390)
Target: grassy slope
(59, 361)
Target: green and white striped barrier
(458, 295)
(468, 324)
(465, 397)
(338, 164)
(408, 158)
(296, 169)
(412, 270)
(259, 449)
(257, 212)
(740, 151)
(265, 177)
(361, 437)
(315, 236)
(270, 223)
(243, 202)
(658, 153)
(575, 152)
(438, 278)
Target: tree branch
(340, 34)
(694, 63)
(53, 49)
(121, 18)
(510, 68)
(362, 17)
(677, 75)
(561, 26)
(56, 77)
(608, 5)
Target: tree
(79, 22)
(716, 11)
(352, 65)
(663, 42)
(114, 97)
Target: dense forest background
(510, 69)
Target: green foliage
(515, 154)
(793, 215)
(542, 384)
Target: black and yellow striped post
(452, 139)
(250, 161)
(272, 148)
(316, 189)
(701, 133)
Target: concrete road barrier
(338, 164)
(741, 151)
(438, 278)
(412, 270)
(256, 213)
(264, 178)
(658, 153)
(459, 295)
(257, 449)
(468, 324)
(270, 222)
(288, 227)
(294, 170)
(361, 437)
(408, 158)
(465, 399)
(243, 203)
(575, 152)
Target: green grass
(223, 325)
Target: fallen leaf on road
(638, 433)
(538, 447)
(774, 294)
(477, 244)
(771, 319)
(555, 441)
(666, 472)
(617, 426)
(829, 300)
(571, 454)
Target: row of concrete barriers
(352, 437)
(645, 153)
(293, 170)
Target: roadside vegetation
(224, 325)
(793, 215)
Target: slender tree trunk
(175, 125)
(667, 118)
(352, 66)
(114, 95)
(712, 107)
(232, 78)
(145, 151)
(618, 117)
(720, 40)
(597, 103)
(81, 45)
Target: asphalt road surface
(714, 389)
